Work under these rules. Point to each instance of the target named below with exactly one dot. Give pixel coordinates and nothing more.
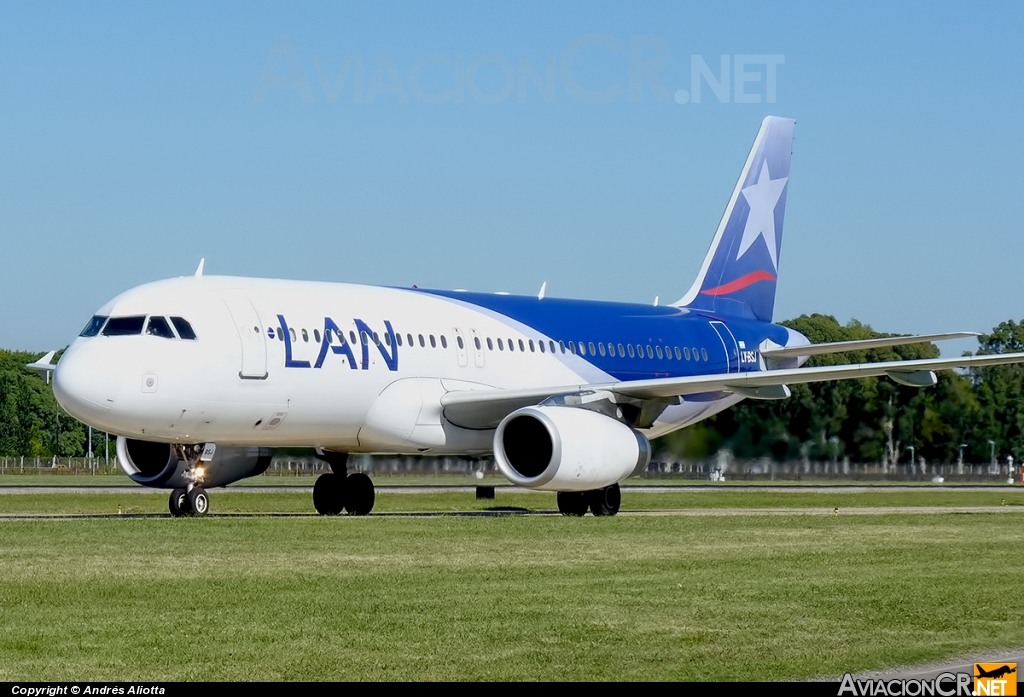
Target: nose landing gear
(337, 490)
(193, 499)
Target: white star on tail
(762, 197)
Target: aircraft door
(250, 335)
(732, 350)
(478, 348)
(460, 347)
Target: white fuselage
(241, 383)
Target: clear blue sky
(136, 138)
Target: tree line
(969, 414)
(875, 420)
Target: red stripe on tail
(740, 283)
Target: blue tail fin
(738, 275)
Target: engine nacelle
(567, 449)
(157, 465)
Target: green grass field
(511, 597)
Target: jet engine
(555, 448)
(157, 464)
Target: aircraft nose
(84, 386)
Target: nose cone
(84, 384)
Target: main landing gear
(601, 502)
(337, 490)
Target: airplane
(995, 672)
(200, 377)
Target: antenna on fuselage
(656, 297)
(199, 269)
(543, 289)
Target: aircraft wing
(860, 345)
(486, 408)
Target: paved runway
(397, 489)
(960, 664)
(506, 511)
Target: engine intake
(555, 448)
(157, 465)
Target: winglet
(199, 270)
(44, 365)
(543, 289)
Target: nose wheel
(193, 501)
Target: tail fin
(739, 273)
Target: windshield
(124, 326)
(94, 326)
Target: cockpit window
(94, 326)
(158, 327)
(184, 328)
(124, 326)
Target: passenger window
(94, 326)
(531, 346)
(422, 343)
(501, 344)
(433, 344)
(490, 344)
(611, 349)
(600, 348)
(444, 341)
(650, 351)
(387, 339)
(351, 336)
(640, 350)
(704, 354)
(583, 349)
(476, 342)
(376, 339)
(511, 345)
(458, 339)
(590, 347)
(398, 338)
(679, 357)
(409, 339)
(364, 338)
(316, 335)
(696, 354)
(280, 334)
(551, 345)
(668, 353)
(631, 353)
(522, 347)
(540, 344)
(124, 326)
(622, 351)
(686, 353)
(561, 345)
(658, 350)
(305, 335)
(329, 335)
(158, 327)
(572, 347)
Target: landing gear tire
(605, 501)
(329, 494)
(573, 503)
(359, 494)
(178, 503)
(198, 501)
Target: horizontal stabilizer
(860, 345)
